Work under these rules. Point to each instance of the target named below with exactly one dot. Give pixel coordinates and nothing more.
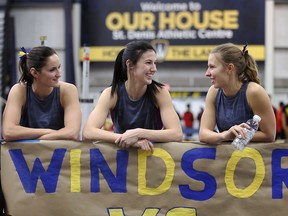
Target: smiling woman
(234, 97)
(141, 108)
(41, 106)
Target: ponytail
(251, 71)
(120, 71)
(25, 74)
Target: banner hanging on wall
(179, 30)
(192, 179)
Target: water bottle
(240, 143)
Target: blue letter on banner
(29, 180)
(97, 162)
(279, 174)
(209, 181)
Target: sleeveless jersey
(232, 110)
(128, 114)
(47, 113)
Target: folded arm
(72, 115)
(11, 128)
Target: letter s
(209, 181)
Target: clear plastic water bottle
(240, 143)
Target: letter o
(114, 21)
(230, 169)
(180, 23)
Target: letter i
(75, 170)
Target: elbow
(86, 134)
(7, 134)
(202, 138)
(74, 135)
(91, 133)
(179, 137)
(271, 138)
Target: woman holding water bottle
(234, 97)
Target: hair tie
(244, 50)
(23, 54)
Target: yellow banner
(173, 53)
(192, 179)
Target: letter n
(97, 163)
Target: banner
(192, 179)
(179, 30)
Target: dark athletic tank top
(47, 113)
(232, 110)
(129, 114)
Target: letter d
(142, 167)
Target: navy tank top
(232, 111)
(128, 114)
(47, 113)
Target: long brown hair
(245, 64)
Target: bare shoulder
(106, 94)
(17, 95)
(213, 90)
(106, 100)
(67, 86)
(211, 94)
(163, 97)
(18, 89)
(162, 91)
(68, 93)
(107, 91)
(68, 89)
(254, 89)
(19, 85)
(257, 95)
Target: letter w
(29, 180)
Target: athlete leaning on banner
(141, 108)
(41, 106)
(235, 97)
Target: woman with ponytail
(234, 97)
(41, 106)
(141, 108)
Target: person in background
(41, 106)
(280, 133)
(188, 123)
(234, 97)
(141, 108)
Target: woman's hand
(237, 131)
(144, 144)
(130, 137)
